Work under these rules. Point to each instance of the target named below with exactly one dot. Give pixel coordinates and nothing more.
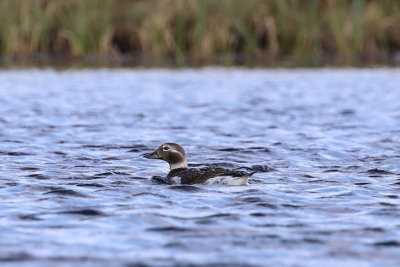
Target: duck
(180, 173)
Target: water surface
(75, 189)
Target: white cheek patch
(176, 179)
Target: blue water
(75, 189)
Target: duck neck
(181, 164)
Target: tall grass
(86, 25)
(25, 26)
(305, 32)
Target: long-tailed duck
(180, 173)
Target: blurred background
(196, 33)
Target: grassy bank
(196, 32)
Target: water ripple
(75, 189)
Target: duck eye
(165, 148)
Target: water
(75, 189)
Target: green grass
(304, 32)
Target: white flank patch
(176, 179)
(228, 180)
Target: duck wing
(199, 176)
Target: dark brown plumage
(199, 176)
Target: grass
(303, 32)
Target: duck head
(172, 153)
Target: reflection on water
(74, 188)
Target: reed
(25, 26)
(311, 32)
(86, 25)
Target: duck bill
(153, 155)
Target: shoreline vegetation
(266, 33)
